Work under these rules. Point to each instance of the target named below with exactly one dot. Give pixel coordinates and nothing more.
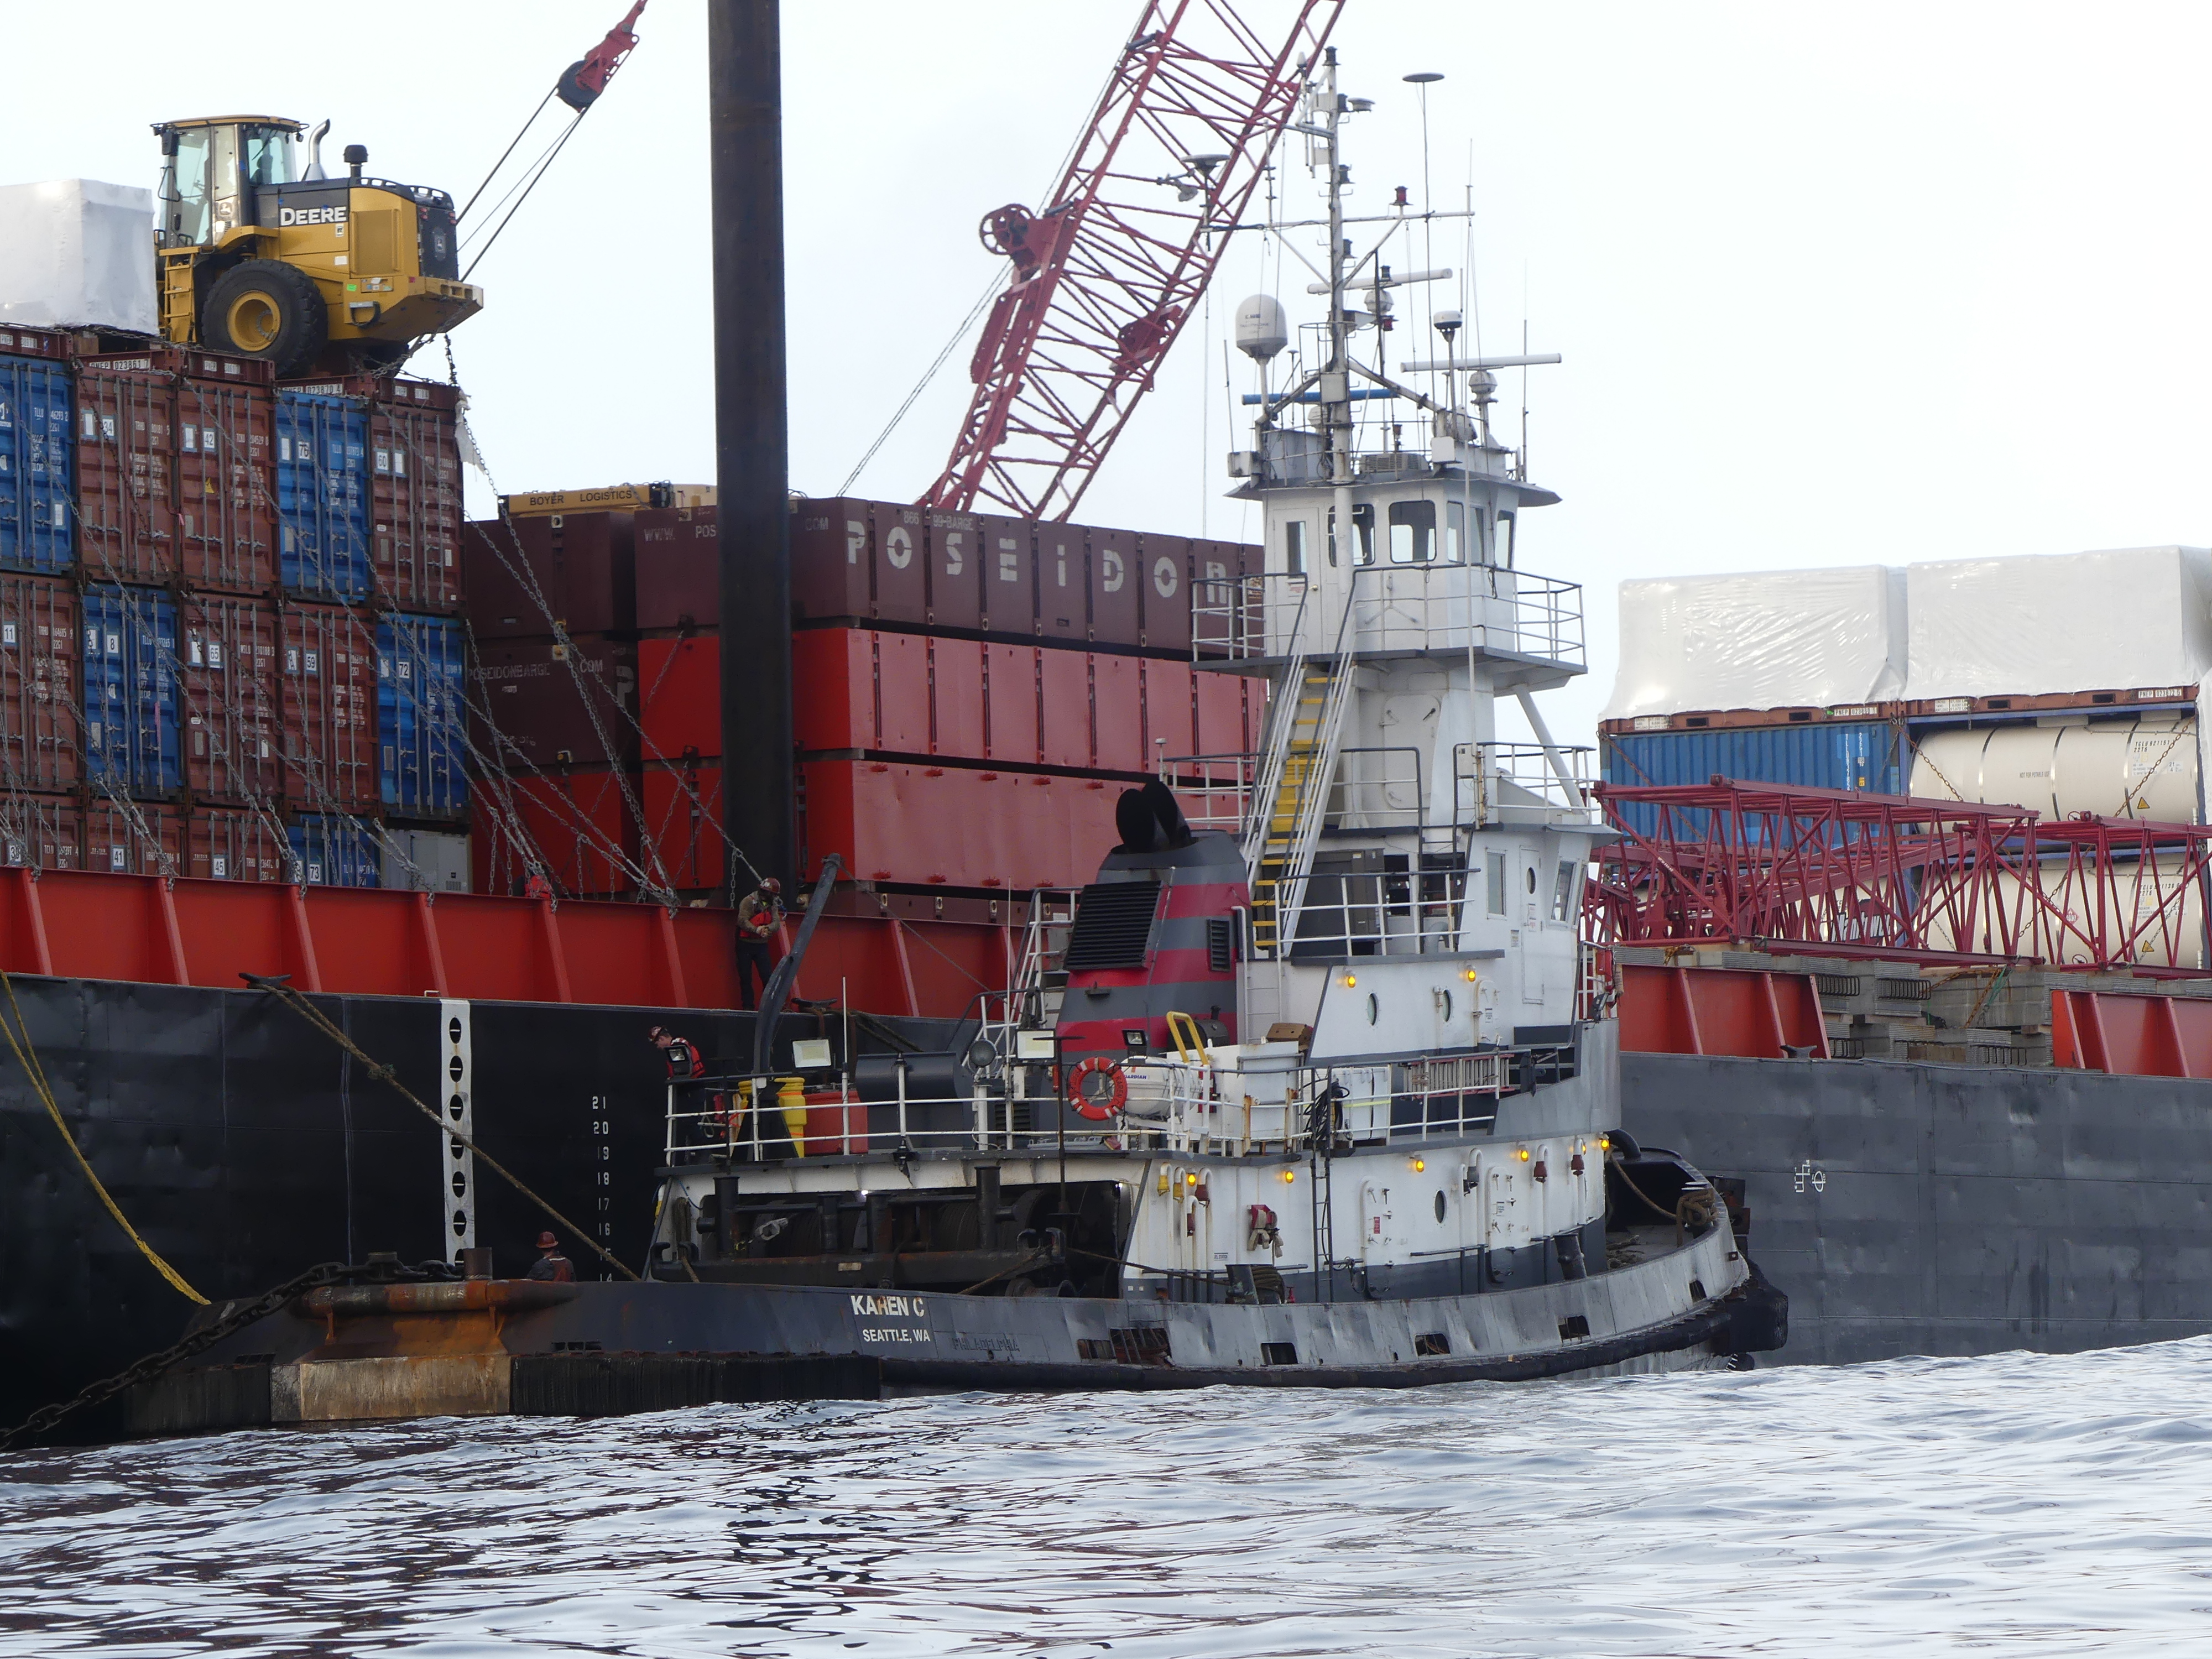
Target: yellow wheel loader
(255, 258)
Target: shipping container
(421, 714)
(1009, 702)
(1063, 706)
(683, 826)
(322, 495)
(1117, 587)
(226, 678)
(326, 697)
(679, 694)
(522, 576)
(130, 690)
(902, 693)
(1170, 723)
(425, 861)
(557, 704)
(955, 561)
(415, 495)
(124, 837)
(40, 716)
(237, 843)
(1006, 551)
(226, 504)
(332, 850)
(901, 590)
(574, 825)
(833, 688)
(912, 824)
(37, 478)
(125, 468)
(51, 343)
(1064, 584)
(833, 567)
(1165, 562)
(42, 832)
(1227, 708)
(1865, 754)
(957, 722)
(678, 561)
(1117, 714)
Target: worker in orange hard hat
(552, 1264)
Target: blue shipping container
(131, 689)
(333, 852)
(1854, 755)
(322, 495)
(38, 531)
(421, 685)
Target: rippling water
(2014, 1504)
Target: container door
(1118, 714)
(1063, 583)
(955, 569)
(1011, 704)
(902, 693)
(1007, 548)
(1117, 603)
(1165, 568)
(901, 595)
(1063, 707)
(126, 433)
(956, 698)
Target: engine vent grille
(1113, 925)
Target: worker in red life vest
(537, 887)
(683, 1058)
(760, 913)
(552, 1264)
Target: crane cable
(27, 1058)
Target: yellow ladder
(1305, 771)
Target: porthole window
(1440, 1203)
(1531, 873)
(1374, 1008)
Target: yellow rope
(27, 1058)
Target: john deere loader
(309, 272)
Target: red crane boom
(1104, 278)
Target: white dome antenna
(1262, 329)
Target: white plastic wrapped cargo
(77, 253)
(1774, 638)
(2135, 617)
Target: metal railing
(1392, 608)
(1374, 788)
(1172, 1104)
(1519, 783)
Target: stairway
(1302, 771)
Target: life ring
(1098, 1109)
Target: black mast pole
(745, 74)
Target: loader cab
(212, 168)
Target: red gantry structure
(1105, 277)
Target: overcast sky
(1874, 283)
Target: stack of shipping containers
(969, 693)
(229, 639)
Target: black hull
(246, 1147)
(1952, 1210)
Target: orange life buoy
(1098, 1107)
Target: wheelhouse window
(1363, 524)
(1455, 532)
(1494, 888)
(1294, 547)
(1562, 892)
(1505, 541)
(1412, 532)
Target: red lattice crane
(1106, 276)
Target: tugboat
(1309, 1086)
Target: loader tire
(267, 310)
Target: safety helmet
(547, 1241)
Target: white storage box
(77, 253)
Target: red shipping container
(575, 826)
(1006, 551)
(677, 559)
(227, 701)
(415, 495)
(580, 564)
(42, 832)
(1009, 702)
(1117, 601)
(236, 844)
(679, 697)
(833, 687)
(35, 342)
(1117, 714)
(1163, 566)
(125, 459)
(226, 502)
(1169, 717)
(326, 704)
(1223, 728)
(1063, 706)
(953, 826)
(135, 838)
(833, 566)
(683, 826)
(956, 562)
(40, 693)
(1063, 583)
(956, 698)
(901, 569)
(556, 705)
(902, 699)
